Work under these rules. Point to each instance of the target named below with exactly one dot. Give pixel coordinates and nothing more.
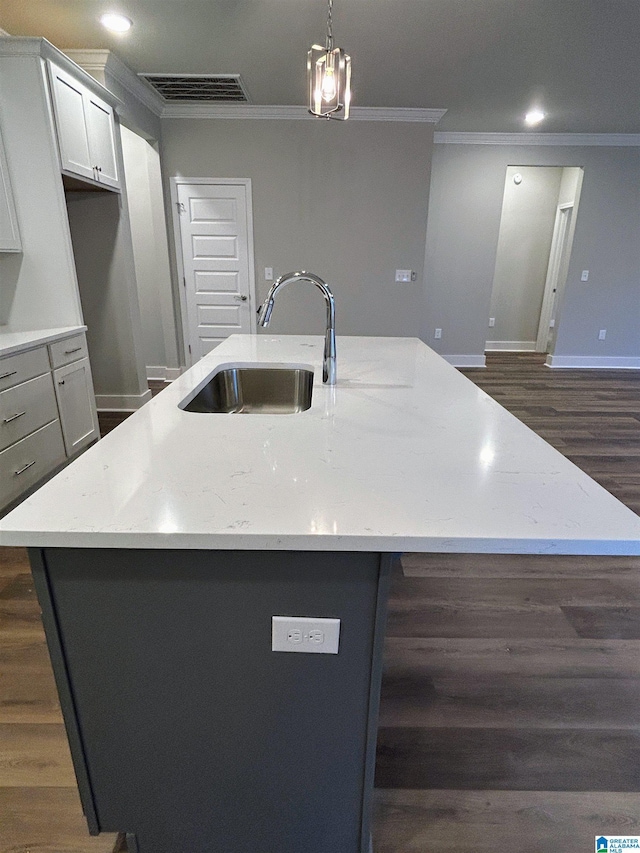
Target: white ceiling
(486, 61)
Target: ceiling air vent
(207, 88)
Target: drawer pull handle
(71, 351)
(14, 417)
(10, 373)
(24, 467)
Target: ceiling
(486, 61)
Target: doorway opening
(539, 210)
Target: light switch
(403, 275)
(268, 273)
(585, 275)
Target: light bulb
(116, 23)
(534, 117)
(328, 85)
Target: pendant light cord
(329, 43)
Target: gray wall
(346, 201)
(524, 243)
(101, 238)
(464, 220)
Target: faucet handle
(264, 312)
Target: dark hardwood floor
(510, 712)
(110, 420)
(511, 696)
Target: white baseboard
(586, 362)
(465, 360)
(510, 346)
(166, 374)
(121, 402)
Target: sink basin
(254, 390)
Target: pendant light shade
(329, 77)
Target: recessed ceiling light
(534, 117)
(116, 23)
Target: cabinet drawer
(27, 461)
(25, 408)
(17, 368)
(68, 350)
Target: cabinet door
(69, 98)
(9, 235)
(77, 406)
(102, 143)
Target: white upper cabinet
(101, 133)
(86, 130)
(9, 234)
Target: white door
(556, 275)
(217, 255)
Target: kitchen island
(162, 554)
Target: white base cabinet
(47, 412)
(76, 404)
(25, 408)
(27, 461)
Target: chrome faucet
(264, 316)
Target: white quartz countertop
(14, 340)
(403, 454)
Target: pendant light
(329, 77)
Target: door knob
(240, 298)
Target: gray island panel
(196, 737)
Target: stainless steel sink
(254, 390)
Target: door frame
(561, 233)
(175, 183)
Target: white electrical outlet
(585, 275)
(268, 273)
(602, 334)
(492, 321)
(404, 275)
(305, 634)
(438, 333)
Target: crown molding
(107, 62)
(43, 49)
(29, 46)
(573, 139)
(255, 111)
